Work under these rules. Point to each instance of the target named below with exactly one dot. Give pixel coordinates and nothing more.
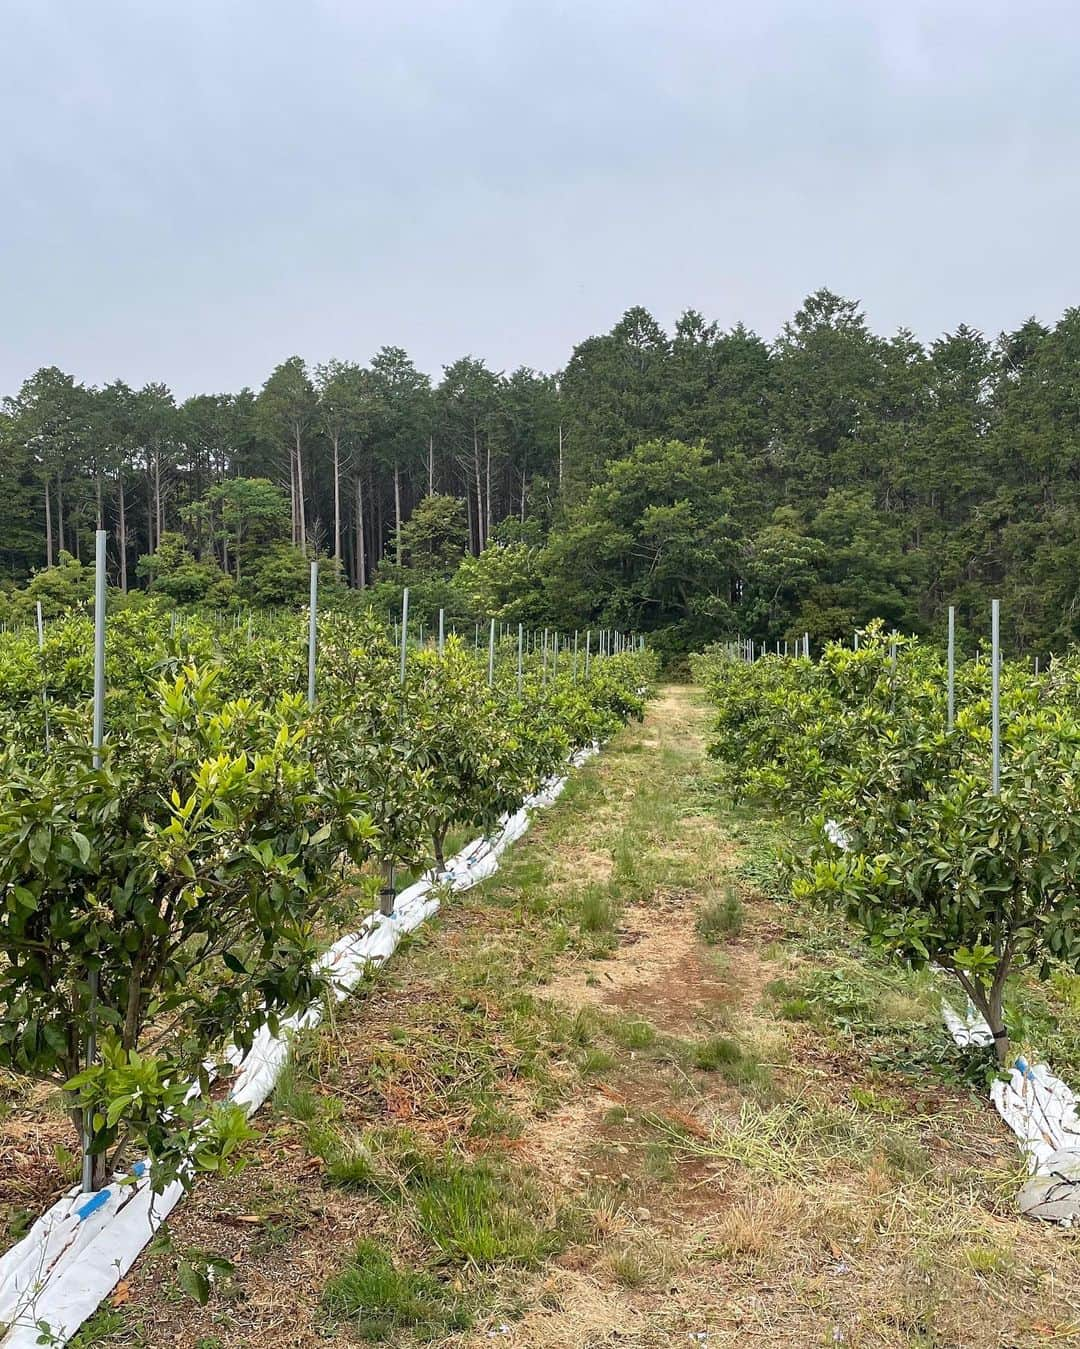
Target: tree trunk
(48, 525)
(361, 547)
(149, 505)
(301, 513)
(995, 1019)
(989, 1001)
(378, 504)
(522, 496)
(560, 456)
(487, 513)
(431, 466)
(121, 535)
(292, 495)
(438, 841)
(479, 492)
(397, 515)
(59, 514)
(159, 519)
(337, 500)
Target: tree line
(692, 484)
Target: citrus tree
(911, 842)
(162, 904)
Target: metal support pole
(404, 630)
(312, 638)
(995, 696)
(491, 656)
(97, 745)
(45, 692)
(100, 582)
(588, 650)
(575, 655)
(951, 669)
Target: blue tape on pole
(93, 1204)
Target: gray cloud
(193, 192)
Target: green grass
(737, 1066)
(381, 1160)
(715, 1053)
(720, 917)
(477, 1215)
(629, 1268)
(378, 1300)
(595, 1060)
(294, 1095)
(99, 1327)
(632, 1032)
(597, 910)
(906, 1156)
(472, 1211)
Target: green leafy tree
(166, 900)
(253, 515)
(506, 582)
(652, 548)
(173, 571)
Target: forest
(692, 486)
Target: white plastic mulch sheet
(72, 1257)
(1040, 1109)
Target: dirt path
(626, 1095)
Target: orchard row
(178, 894)
(914, 839)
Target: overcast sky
(192, 191)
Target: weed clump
(720, 917)
(378, 1299)
(737, 1066)
(597, 911)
